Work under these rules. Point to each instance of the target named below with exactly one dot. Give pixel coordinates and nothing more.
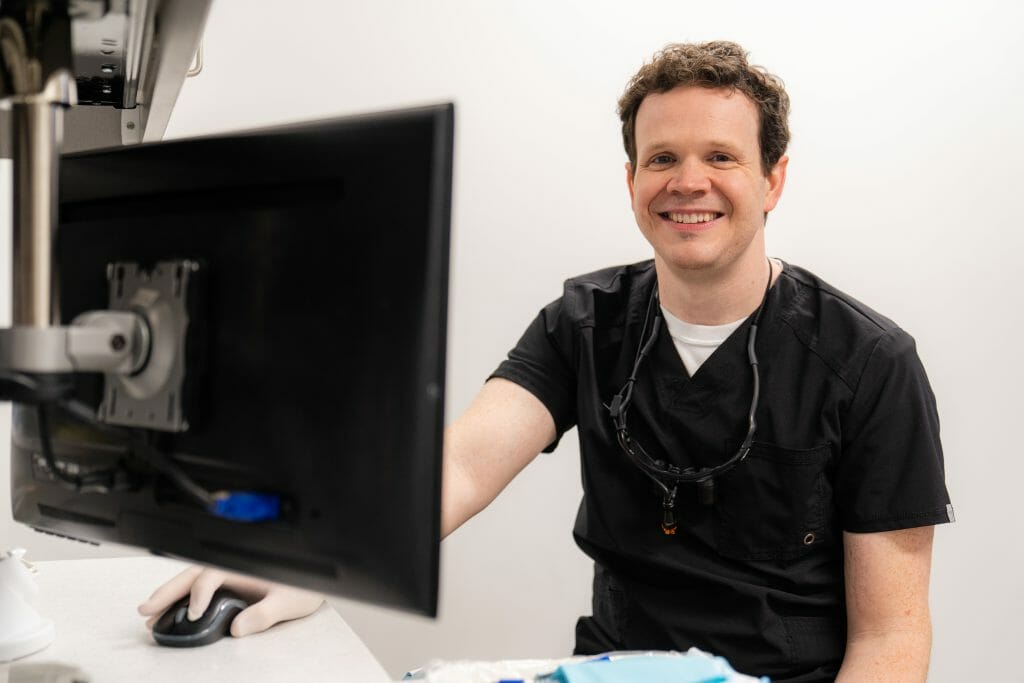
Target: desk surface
(93, 606)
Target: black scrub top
(847, 439)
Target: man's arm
(889, 627)
(500, 433)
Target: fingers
(164, 596)
(281, 604)
(199, 584)
(253, 619)
(206, 582)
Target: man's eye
(661, 159)
(721, 158)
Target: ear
(629, 181)
(776, 181)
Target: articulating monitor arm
(139, 343)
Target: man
(760, 452)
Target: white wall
(904, 189)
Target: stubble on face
(698, 190)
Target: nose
(689, 177)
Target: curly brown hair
(717, 64)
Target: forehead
(693, 114)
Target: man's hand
(270, 603)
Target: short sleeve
(890, 472)
(542, 363)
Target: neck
(702, 297)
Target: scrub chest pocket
(775, 505)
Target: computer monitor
(314, 358)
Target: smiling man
(782, 435)
(760, 452)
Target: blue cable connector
(246, 506)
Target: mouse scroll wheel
(180, 615)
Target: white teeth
(690, 218)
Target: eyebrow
(721, 144)
(717, 144)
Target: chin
(688, 261)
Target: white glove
(269, 603)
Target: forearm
(901, 656)
(461, 496)
(889, 624)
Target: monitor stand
(22, 630)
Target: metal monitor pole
(36, 133)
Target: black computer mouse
(174, 629)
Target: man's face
(698, 191)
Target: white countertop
(93, 606)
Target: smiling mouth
(690, 218)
